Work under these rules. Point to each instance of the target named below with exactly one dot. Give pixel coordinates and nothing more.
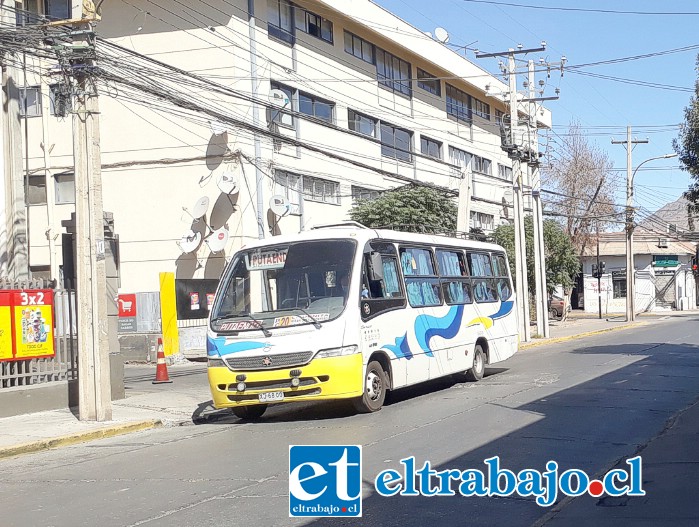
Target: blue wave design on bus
(504, 310)
(219, 346)
(400, 349)
(428, 326)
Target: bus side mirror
(376, 267)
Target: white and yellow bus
(347, 312)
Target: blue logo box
(325, 480)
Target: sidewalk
(186, 401)
(578, 327)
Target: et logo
(325, 480)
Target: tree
(562, 262)
(687, 147)
(410, 208)
(580, 175)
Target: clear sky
(648, 94)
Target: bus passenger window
(484, 291)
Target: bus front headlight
(337, 352)
(216, 363)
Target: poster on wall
(193, 297)
(33, 323)
(5, 326)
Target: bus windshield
(285, 285)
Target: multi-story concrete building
(373, 103)
(210, 109)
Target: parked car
(558, 306)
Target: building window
(64, 188)
(430, 147)
(30, 101)
(316, 189)
(27, 12)
(364, 194)
(498, 116)
(318, 108)
(482, 165)
(313, 24)
(280, 20)
(307, 104)
(362, 123)
(480, 108)
(359, 47)
(395, 143)
(313, 188)
(504, 172)
(480, 220)
(460, 158)
(619, 287)
(289, 186)
(428, 82)
(458, 104)
(392, 72)
(58, 9)
(36, 190)
(60, 100)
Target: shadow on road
(590, 426)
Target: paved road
(586, 404)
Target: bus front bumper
(321, 379)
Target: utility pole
(259, 176)
(93, 353)
(515, 153)
(599, 278)
(541, 297)
(464, 206)
(630, 266)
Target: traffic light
(594, 271)
(602, 268)
(695, 267)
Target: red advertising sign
(127, 305)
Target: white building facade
(373, 104)
(664, 279)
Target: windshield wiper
(316, 324)
(260, 325)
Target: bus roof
(364, 234)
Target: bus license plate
(270, 397)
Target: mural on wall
(210, 228)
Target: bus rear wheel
(478, 369)
(375, 383)
(249, 412)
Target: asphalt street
(586, 404)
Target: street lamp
(630, 289)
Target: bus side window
(390, 286)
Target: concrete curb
(544, 342)
(80, 437)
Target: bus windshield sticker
(293, 320)
(239, 326)
(269, 259)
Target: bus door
(382, 303)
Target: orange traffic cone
(161, 375)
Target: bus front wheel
(374, 389)
(478, 369)
(249, 412)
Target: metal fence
(64, 365)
